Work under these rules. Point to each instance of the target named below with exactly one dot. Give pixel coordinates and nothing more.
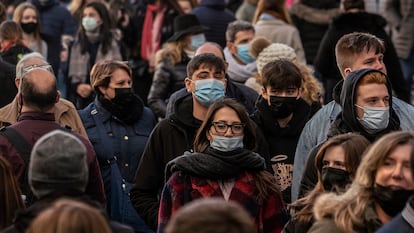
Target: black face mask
(282, 107)
(126, 106)
(29, 27)
(334, 178)
(391, 201)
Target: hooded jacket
(282, 141)
(170, 138)
(325, 62)
(348, 121)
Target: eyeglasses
(222, 127)
(29, 68)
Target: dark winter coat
(325, 62)
(25, 217)
(216, 29)
(170, 138)
(167, 79)
(312, 19)
(15, 53)
(8, 88)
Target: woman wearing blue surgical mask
(223, 165)
(95, 41)
(171, 61)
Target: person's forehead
(207, 67)
(245, 34)
(210, 49)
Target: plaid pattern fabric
(269, 216)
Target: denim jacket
(316, 130)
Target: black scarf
(214, 164)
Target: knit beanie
(275, 51)
(58, 164)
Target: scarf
(215, 165)
(151, 32)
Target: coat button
(126, 138)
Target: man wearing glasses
(65, 113)
(35, 109)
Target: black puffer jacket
(325, 62)
(312, 18)
(168, 78)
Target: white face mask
(89, 23)
(222, 143)
(374, 119)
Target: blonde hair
(18, 15)
(347, 210)
(67, 216)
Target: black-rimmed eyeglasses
(221, 127)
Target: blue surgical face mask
(197, 41)
(89, 24)
(243, 53)
(208, 90)
(374, 119)
(225, 144)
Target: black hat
(184, 24)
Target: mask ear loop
(20, 102)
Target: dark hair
(351, 45)
(201, 142)
(206, 60)
(354, 146)
(281, 74)
(353, 4)
(237, 26)
(10, 30)
(105, 28)
(43, 100)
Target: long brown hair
(264, 181)
(354, 146)
(10, 194)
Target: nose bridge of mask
(209, 83)
(197, 40)
(373, 112)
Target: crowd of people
(204, 116)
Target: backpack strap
(24, 149)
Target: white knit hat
(275, 51)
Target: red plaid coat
(269, 216)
